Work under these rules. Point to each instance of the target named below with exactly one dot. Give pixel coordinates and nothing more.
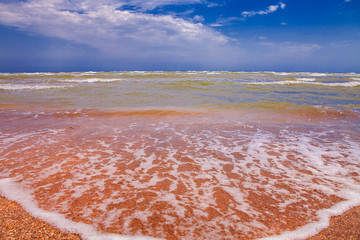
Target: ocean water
(182, 155)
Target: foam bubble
(12, 191)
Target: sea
(181, 154)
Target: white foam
(262, 149)
(306, 79)
(318, 74)
(11, 191)
(281, 73)
(88, 73)
(342, 84)
(213, 73)
(30, 87)
(345, 84)
(324, 216)
(38, 73)
(93, 80)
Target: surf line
(324, 216)
(11, 190)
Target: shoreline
(16, 223)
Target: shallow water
(184, 155)
(113, 90)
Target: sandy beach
(345, 226)
(17, 224)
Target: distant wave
(306, 79)
(29, 87)
(342, 84)
(92, 80)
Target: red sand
(15, 223)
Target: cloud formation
(269, 9)
(152, 4)
(103, 25)
(106, 34)
(245, 14)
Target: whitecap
(93, 80)
(306, 79)
(281, 73)
(30, 87)
(342, 84)
(314, 74)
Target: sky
(231, 35)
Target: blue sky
(114, 35)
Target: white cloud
(127, 37)
(226, 21)
(270, 9)
(230, 20)
(102, 25)
(198, 18)
(152, 4)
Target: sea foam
(324, 216)
(93, 80)
(13, 192)
(308, 82)
(29, 87)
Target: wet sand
(15, 223)
(345, 226)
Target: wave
(316, 74)
(92, 80)
(126, 112)
(311, 229)
(240, 170)
(30, 87)
(302, 81)
(281, 73)
(251, 109)
(307, 111)
(306, 79)
(13, 192)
